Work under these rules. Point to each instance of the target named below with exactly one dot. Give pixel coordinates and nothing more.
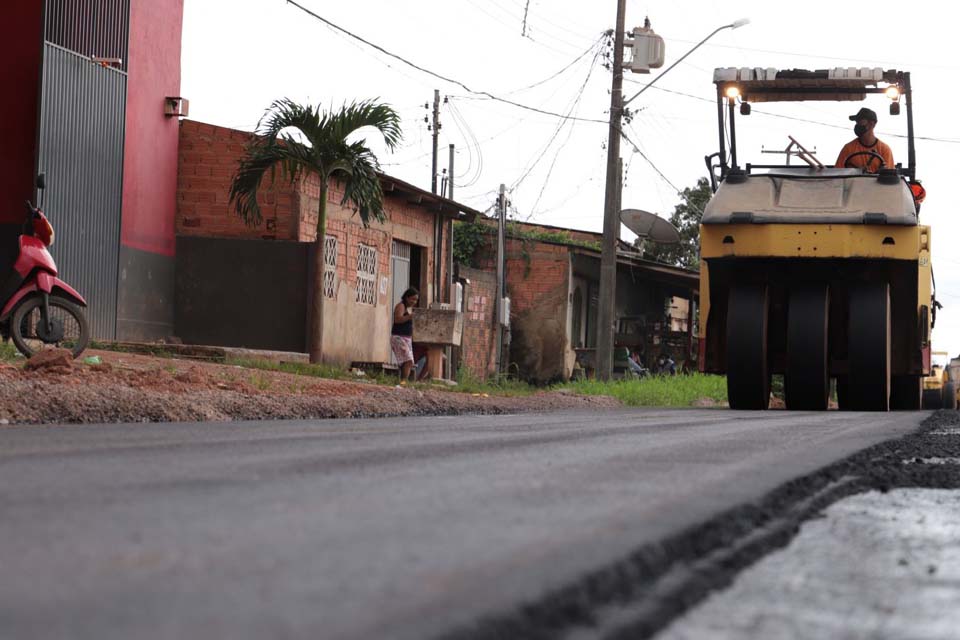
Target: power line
(562, 28)
(573, 105)
(437, 75)
(472, 143)
(565, 68)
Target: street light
(736, 24)
(611, 204)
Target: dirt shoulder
(138, 388)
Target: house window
(367, 275)
(329, 266)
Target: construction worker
(863, 152)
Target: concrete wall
(241, 293)
(147, 239)
(20, 48)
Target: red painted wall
(150, 147)
(21, 45)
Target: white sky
(240, 55)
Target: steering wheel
(873, 155)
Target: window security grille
(367, 275)
(330, 266)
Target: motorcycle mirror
(42, 181)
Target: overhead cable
(437, 75)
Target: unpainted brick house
(554, 285)
(244, 286)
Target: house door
(400, 268)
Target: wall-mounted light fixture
(176, 107)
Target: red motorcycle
(40, 310)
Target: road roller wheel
(932, 398)
(905, 393)
(868, 347)
(806, 382)
(843, 396)
(748, 374)
(949, 396)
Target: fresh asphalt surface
(399, 528)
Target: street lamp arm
(733, 25)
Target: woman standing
(401, 337)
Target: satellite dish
(650, 226)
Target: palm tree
(322, 148)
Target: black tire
(748, 374)
(73, 322)
(869, 347)
(949, 396)
(843, 394)
(932, 398)
(806, 381)
(905, 393)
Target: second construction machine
(811, 271)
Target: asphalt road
(402, 528)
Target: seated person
(858, 151)
(666, 366)
(635, 363)
(420, 371)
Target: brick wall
(207, 160)
(478, 336)
(537, 275)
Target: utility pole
(450, 230)
(606, 314)
(436, 133)
(450, 174)
(434, 128)
(501, 250)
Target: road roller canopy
(809, 191)
(794, 85)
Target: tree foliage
(322, 148)
(686, 218)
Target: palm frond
(368, 113)
(260, 161)
(362, 191)
(328, 153)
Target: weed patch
(667, 391)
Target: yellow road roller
(940, 386)
(810, 271)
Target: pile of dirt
(123, 387)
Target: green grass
(159, 351)
(501, 386)
(296, 368)
(669, 391)
(8, 352)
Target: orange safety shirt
(854, 146)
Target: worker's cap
(865, 114)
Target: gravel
(136, 388)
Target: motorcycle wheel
(69, 329)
